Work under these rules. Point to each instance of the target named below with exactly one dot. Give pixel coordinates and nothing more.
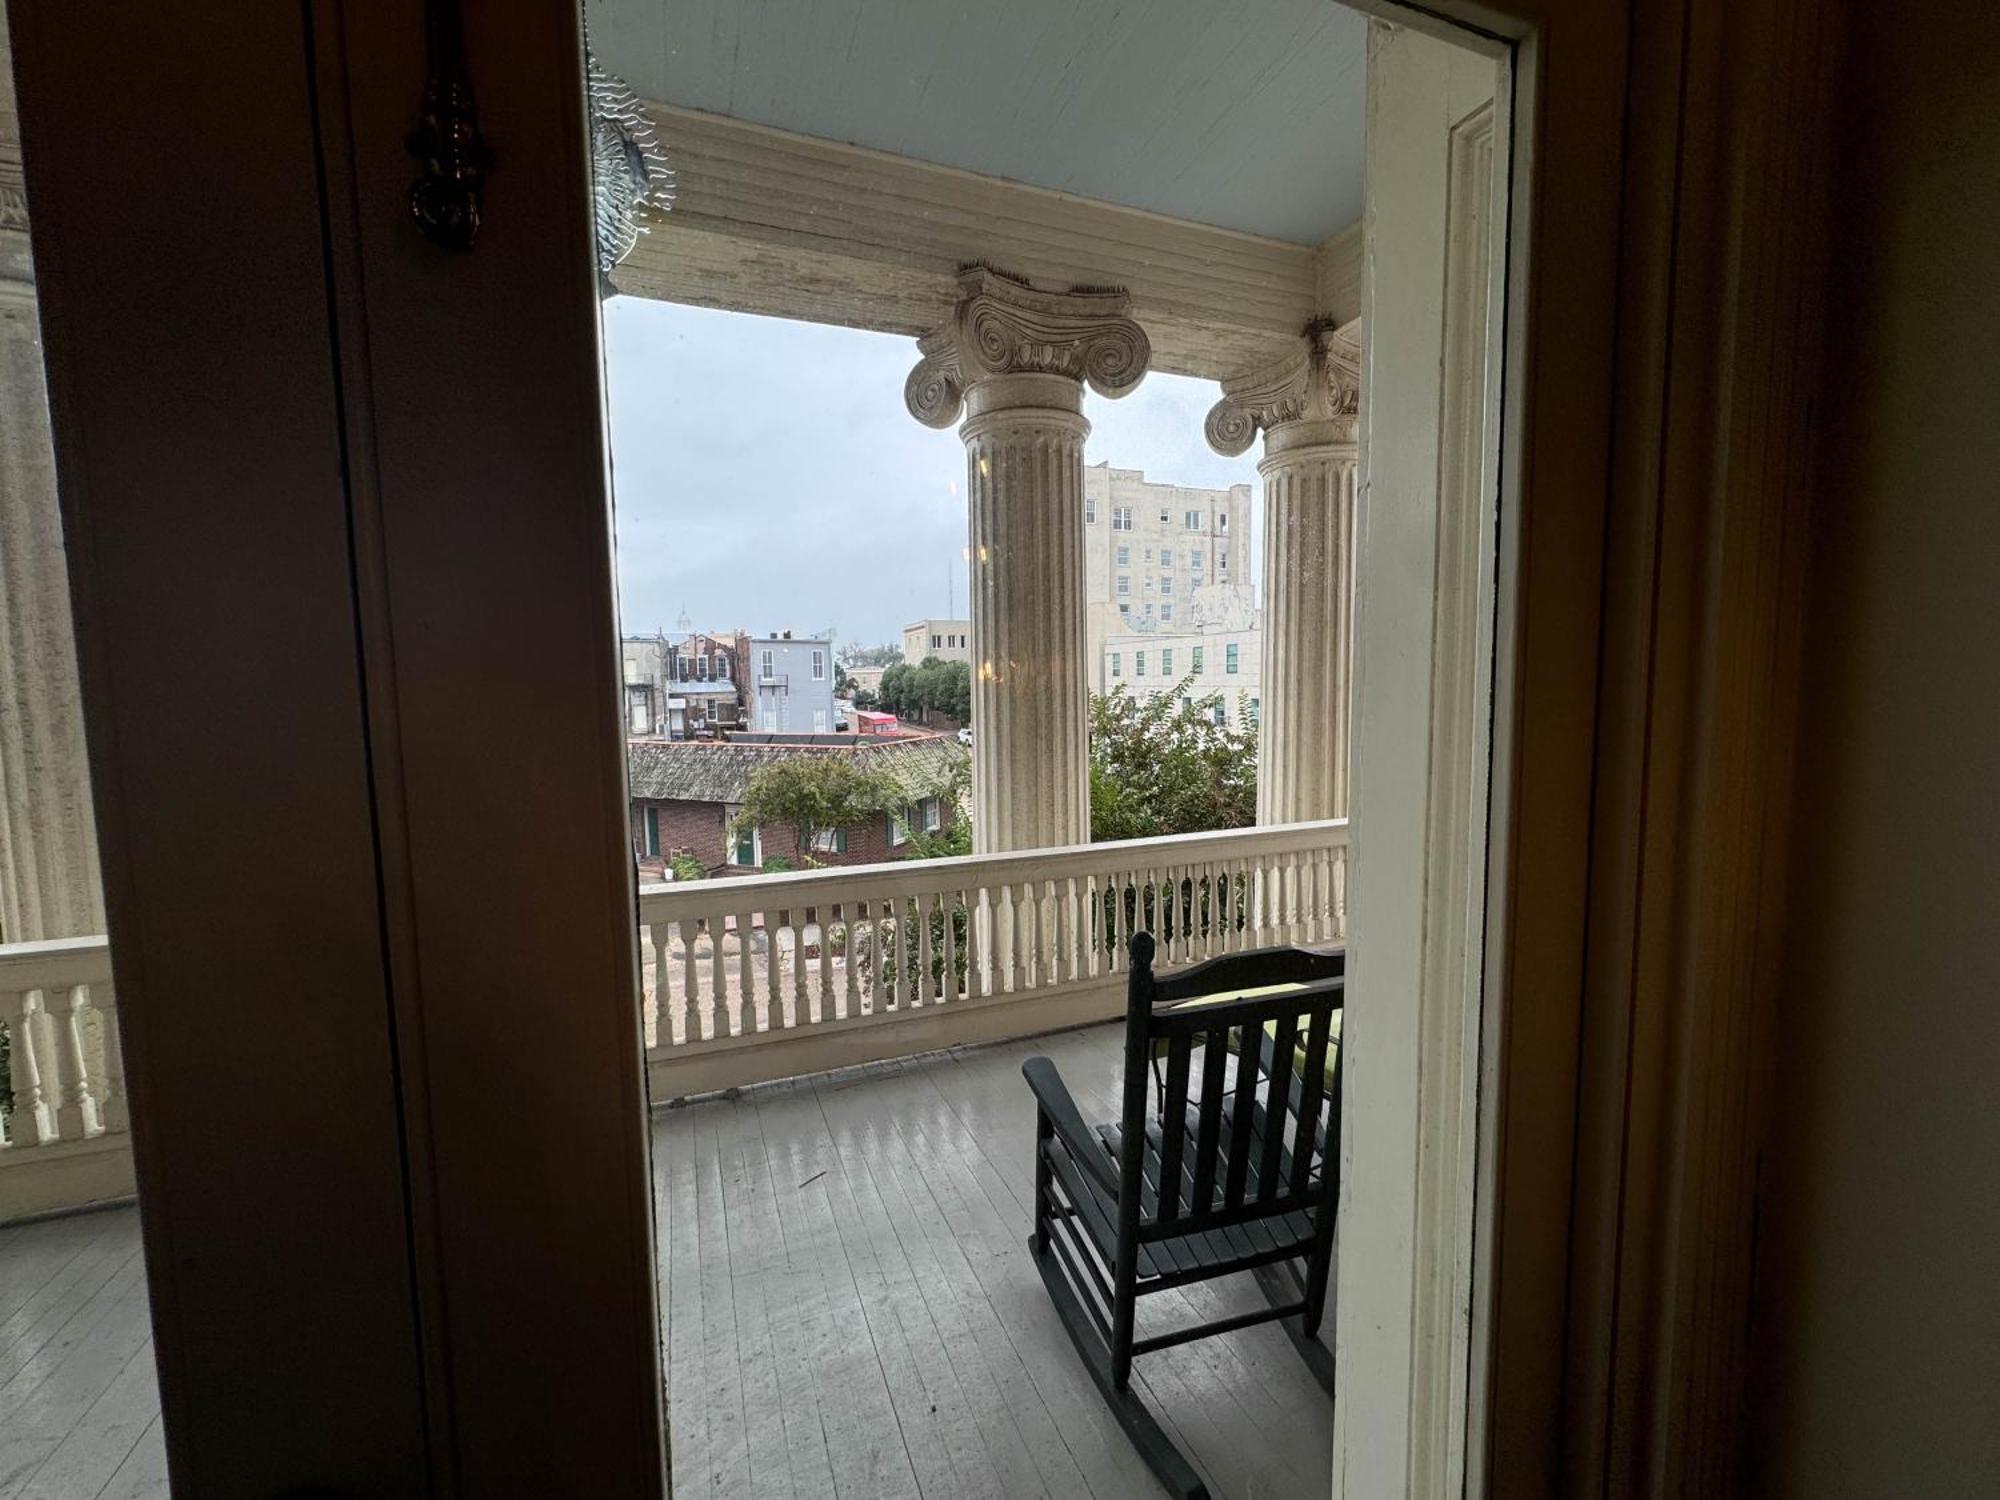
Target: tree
(815, 794)
(1162, 764)
(884, 655)
(931, 686)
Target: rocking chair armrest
(1052, 1098)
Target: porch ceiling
(1245, 115)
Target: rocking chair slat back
(1250, 1144)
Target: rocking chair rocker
(1240, 1177)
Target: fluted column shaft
(48, 840)
(1306, 406)
(1030, 693)
(1015, 359)
(1302, 746)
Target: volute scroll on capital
(1004, 326)
(1320, 381)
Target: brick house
(685, 794)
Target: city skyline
(714, 416)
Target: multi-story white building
(1225, 664)
(947, 640)
(1149, 547)
(1167, 569)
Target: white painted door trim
(1424, 630)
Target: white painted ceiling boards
(1245, 114)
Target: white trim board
(765, 221)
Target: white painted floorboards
(851, 1312)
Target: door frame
(1638, 793)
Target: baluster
(75, 1110)
(850, 948)
(780, 925)
(110, 1084)
(801, 1013)
(1069, 958)
(1340, 894)
(820, 915)
(1029, 905)
(662, 1033)
(29, 1124)
(718, 1000)
(927, 990)
(950, 904)
(878, 973)
(1178, 913)
(979, 923)
(1002, 896)
(1319, 873)
(690, 983)
(746, 973)
(1115, 948)
(899, 940)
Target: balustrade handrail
(673, 900)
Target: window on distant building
(899, 830)
(1123, 557)
(701, 668)
(1121, 518)
(1166, 611)
(1222, 520)
(1197, 660)
(1166, 661)
(1215, 712)
(1117, 664)
(1192, 520)
(819, 721)
(819, 666)
(1163, 515)
(770, 664)
(1222, 561)
(1253, 710)
(750, 848)
(1195, 560)
(1124, 584)
(1138, 664)
(770, 720)
(1229, 657)
(830, 841)
(933, 814)
(1124, 609)
(652, 831)
(1166, 583)
(1166, 557)
(1090, 510)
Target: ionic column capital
(1004, 328)
(1312, 395)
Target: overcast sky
(768, 476)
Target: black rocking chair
(1242, 1176)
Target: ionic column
(1015, 360)
(1306, 406)
(48, 841)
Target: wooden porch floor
(851, 1311)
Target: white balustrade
(765, 960)
(769, 976)
(60, 1017)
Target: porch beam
(765, 221)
